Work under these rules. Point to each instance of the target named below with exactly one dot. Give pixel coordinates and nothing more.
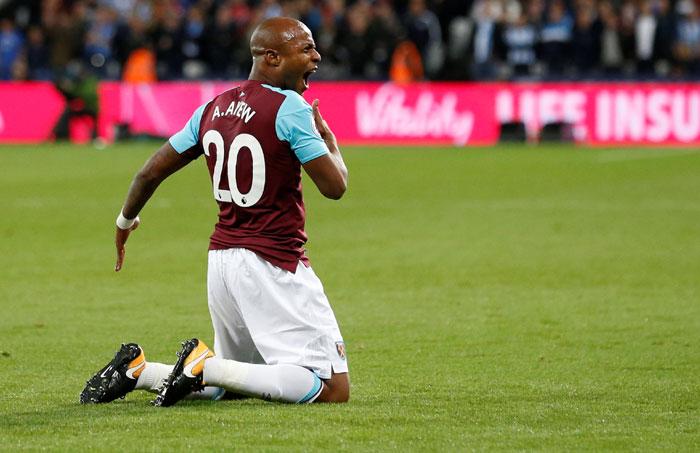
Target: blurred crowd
(147, 40)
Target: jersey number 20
(258, 181)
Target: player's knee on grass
(336, 389)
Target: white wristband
(123, 223)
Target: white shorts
(264, 314)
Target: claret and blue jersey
(255, 138)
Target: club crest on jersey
(340, 347)
(239, 109)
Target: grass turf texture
(491, 299)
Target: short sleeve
(189, 135)
(295, 125)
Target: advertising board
(462, 114)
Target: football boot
(117, 378)
(187, 375)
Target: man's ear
(272, 57)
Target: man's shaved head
(274, 34)
(284, 54)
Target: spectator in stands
(449, 13)
(310, 14)
(125, 9)
(168, 38)
(585, 41)
(611, 56)
(102, 28)
(423, 29)
(385, 32)
(519, 41)
(406, 63)
(665, 34)
(269, 8)
(65, 30)
(240, 13)
(687, 45)
(327, 40)
(133, 34)
(208, 38)
(193, 37)
(140, 66)
(485, 41)
(220, 38)
(644, 37)
(627, 15)
(11, 45)
(354, 40)
(535, 12)
(555, 39)
(37, 55)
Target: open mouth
(307, 74)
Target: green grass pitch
(509, 298)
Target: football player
(275, 334)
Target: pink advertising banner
(358, 112)
(442, 113)
(458, 114)
(158, 109)
(28, 111)
(606, 114)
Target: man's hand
(328, 172)
(162, 164)
(323, 129)
(120, 241)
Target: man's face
(299, 60)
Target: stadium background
(504, 296)
(359, 39)
(96, 66)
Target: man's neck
(260, 76)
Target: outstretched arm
(328, 172)
(161, 164)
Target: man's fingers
(120, 241)
(120, 259)
(316, 111)
(321, 124)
